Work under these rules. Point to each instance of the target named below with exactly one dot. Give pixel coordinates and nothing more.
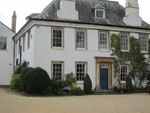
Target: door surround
(110, 62)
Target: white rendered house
(6, 54)
(74, 36)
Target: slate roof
(113, 10)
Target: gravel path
(11, 102)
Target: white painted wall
(44, 54)
(6, 56)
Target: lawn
(13, 102)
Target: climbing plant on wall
(136, 59)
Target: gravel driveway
(12, 102)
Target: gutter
(78, 22)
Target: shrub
(22, 77)
(15, 82)
(19, 69)
(128, 84)
(71, 80)
(57, 86)
(36, 80)
(77, 91)
(87, 85)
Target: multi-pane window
(103, 40)
(124, 72)
(57, 70)
(80, 39)
(124, 42)
(57, 38)
(80, 71)
(99, 13)
(143, 40)
(23, 47)
(29, 39)
(3, 43)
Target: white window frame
(103, 49)
(4, 38)
(85, 39)
(62, 70)
(128, 36)
(124, 73)
(146, 37)
(103, 10)
(62, 38)
(85, 71)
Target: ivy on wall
(134, 57)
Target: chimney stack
(132, 16)
(68, 10)
(14, 17)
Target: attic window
(100, 13)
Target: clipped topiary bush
(22, 77)
(15, 82)
(36, 81)
(128, 84)
(87, 84)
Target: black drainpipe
(14, 56)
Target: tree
(87, 84)
(138, 63)
(137, 60)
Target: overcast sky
(24, 8)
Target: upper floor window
(100, 13)
(57, 70)
(81, 39)
(29, 39)
(23, 42)
(57, 37)
(3, 43)
(124, 72)
(124, 42)
(80, 71)
(143, 40)
(103, 40)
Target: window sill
(104, 50)
(122, 82)
(57, 48)
(3, 50)
(81, 49)
(80, 82)
(124, 50)
(144, 51)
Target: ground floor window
(80, 71)
(3, 43)
(124, 72)
(57, 70)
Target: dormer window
(100, 13)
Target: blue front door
(103, 78)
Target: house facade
(75, 36)
(6, 53)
